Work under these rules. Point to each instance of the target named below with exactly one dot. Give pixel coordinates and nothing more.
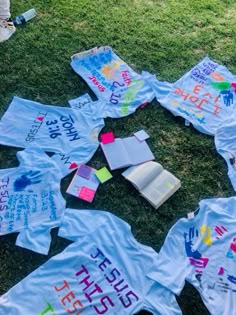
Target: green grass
(163, 37)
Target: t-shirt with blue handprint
(31, 202)
(71, 134)
(205, 96)
(201, 249)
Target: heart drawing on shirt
(40, 118)
(73, 165)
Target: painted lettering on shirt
(48, 310)
(65, 124)
(201, 74)
(4, 194)
(37, 123)
(114, 277)
(200, 99)
(68, 300)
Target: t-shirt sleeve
(159, 300)
(37, 239)
(76, 223)
(171, 266)
(81, 102)
(220, 205)
(35, 157)
(160, 89)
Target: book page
(141, 175)
(116, 154)
(139, 151)
(161, 188)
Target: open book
(153, 182)
(126, 152)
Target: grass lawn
(164, 37)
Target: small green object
(224, 85)
(103, 175)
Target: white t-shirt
(205, 96)
(202, 251)
(103, 272)
(120, 89)
(30, 199)
(71, 134)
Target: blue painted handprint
(188, 237)
(228, 97)
(29, 178)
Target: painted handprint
(206, 234)
(225, 88)
(189, 237)
(199, 262)
(228, 97)
(29, 178)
